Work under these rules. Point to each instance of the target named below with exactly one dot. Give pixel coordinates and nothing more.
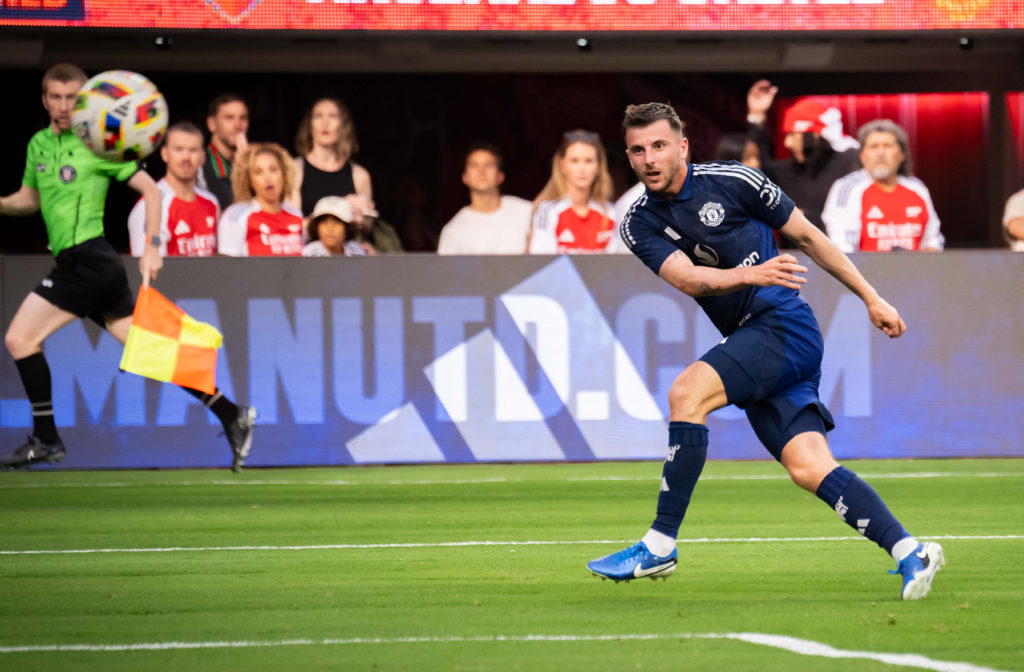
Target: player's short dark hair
(184, 127)
(64, 72)
(889, 126)
(640, 116)
(484, 146)
(224, 99)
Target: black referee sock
(225, 410)
(35, 376)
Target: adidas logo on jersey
(566, 237)
(182, 228)
(875, 213)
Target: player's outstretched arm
(150, 262)
(825, 254)
(695, 280)
(23, 202)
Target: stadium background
(419, 97)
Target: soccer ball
(120, 116)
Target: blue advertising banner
(433, 359)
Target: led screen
(522, 15)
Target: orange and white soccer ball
(120, 115)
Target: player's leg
(695, 392)
(809, 462)
(238, 421)
(34, 321)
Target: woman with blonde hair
(572, 213)
(326, 143)
(260, 223)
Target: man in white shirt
(491, 223)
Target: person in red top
(572, 214)
(188, 213)
(259, 223)
(881, 207)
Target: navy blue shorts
(771, 367)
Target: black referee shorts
(89, 280)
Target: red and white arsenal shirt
(558, 229)
(861, 216)
(187, 228)
(247, 231)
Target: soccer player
(69, 184)
(706, 229)
(188, 214)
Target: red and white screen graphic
(521, 15)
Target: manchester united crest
(712, 214)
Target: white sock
(658, 543)
(903, 548)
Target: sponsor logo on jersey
(875, 212)
(182, 228)
(41, 167)
(712, 214)
(750, 259)
(770, 194)
(46, 282)
(705, 254)
(67, 174)
(671, 233)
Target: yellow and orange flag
(166, 344)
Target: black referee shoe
(239, 435)
(33, 452)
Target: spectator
(1013, 221)
(228, 123)
(188, 214)
(821, 154)
(572, 213)
(326, 141)
(491, 223)
(260, 224)
(328, 228)
(738, 147)
(882, 207)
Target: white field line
(804, 647)
(475, 481)
(463, 544)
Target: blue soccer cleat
(918, 569)
(635, 562)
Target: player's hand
(885, 317)
(149, 263)
(782, 270)
(760, 99)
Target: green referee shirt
(72, 184)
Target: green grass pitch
(426, 568)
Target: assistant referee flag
(166, 344)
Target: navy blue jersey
(722, 217)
